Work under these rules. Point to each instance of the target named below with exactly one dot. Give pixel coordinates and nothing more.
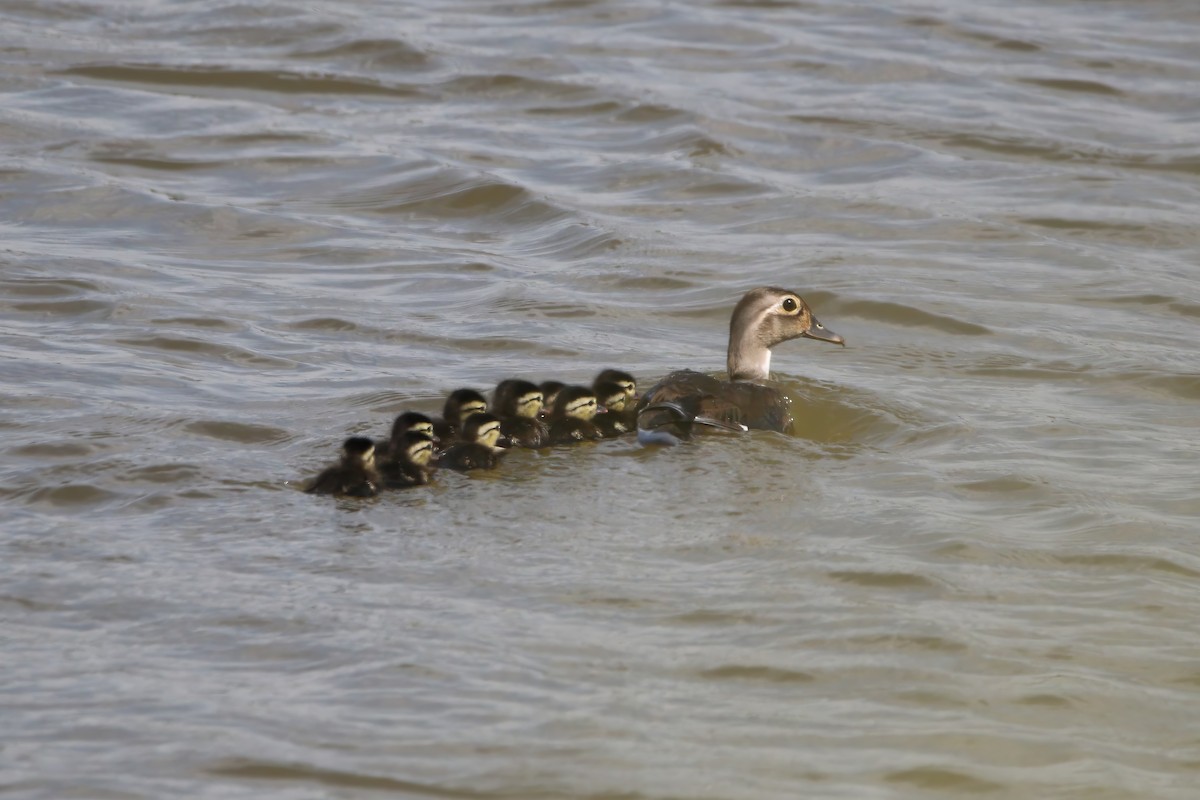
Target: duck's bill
(823, 334)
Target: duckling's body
(409, 463)
(459, 406)
(354, 476)
(574, 415)
(518, 404)
(763, 318)
(479, 448)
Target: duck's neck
(748, 361)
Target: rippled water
(235, 233)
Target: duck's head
(461, 404)
(517, 398)
(359, 450)
(611, 395)
(763, 318)
(417, 447)
(411, 422)
(621, 378)
(575, 402)
(483, 428)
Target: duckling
(409, 463)
(479, 448)
(574, 412)
(550, 390)
(460, 404)
(622, 379)
(408, 422)
(354, 476)
(763, 318)
(518, 404)
(620, 416)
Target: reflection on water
(236, 235)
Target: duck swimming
(620, 378)
(460, 404)
(479, 448)
(354, 476)
(763, 318)
(620, 415)
(574, 415)
(518, 404)
(408, 422)
(409, 461)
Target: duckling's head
(763, 318)
(483, 428)
(417, 447)
(359, 450)
(577, 402)
(550, 390)
(621, 378)
(461, 404)
(411, 422)
(517, 398)
(611, 395)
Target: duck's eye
(789, 304)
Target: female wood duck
(479, 447)
(620, 412)
(518, 404)
(574, 412)
(763, 318)
(354, 476)
(459, 405)
(409, 462)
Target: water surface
(235, 234)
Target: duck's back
(345, 481)
(466, 456)
(733, 402)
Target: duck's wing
(728, 404)
(344, 482)
(753, 405)
(328, 482)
